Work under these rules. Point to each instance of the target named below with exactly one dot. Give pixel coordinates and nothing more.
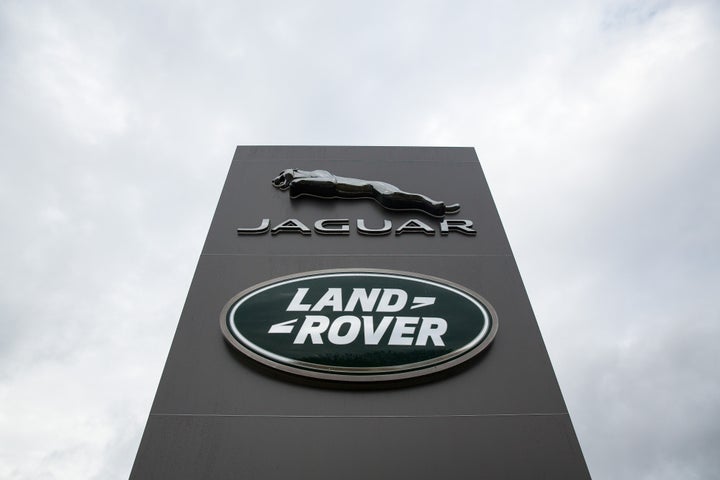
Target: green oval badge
(359, 324)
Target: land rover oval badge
(359, 324)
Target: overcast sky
(597, 124)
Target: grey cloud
(595, 123)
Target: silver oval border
(364, 374)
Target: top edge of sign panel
(381, 200)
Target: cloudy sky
(597, 124)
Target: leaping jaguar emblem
(323, 184)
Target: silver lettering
(414, 226)
(263, 228)
(363, 230)
(333, 226)
(457, 225)
(291, 225)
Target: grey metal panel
(527, 447)
(218, 414)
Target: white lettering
(433, 328)
(403, 332)
(295, 305)
(367, 300)
(332, 298)
(374, 337)
(403, 326)
(352, 333)
(313, 327)
(388, 294)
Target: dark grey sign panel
(221, 413)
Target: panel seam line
(357, 254)
(358, 416)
